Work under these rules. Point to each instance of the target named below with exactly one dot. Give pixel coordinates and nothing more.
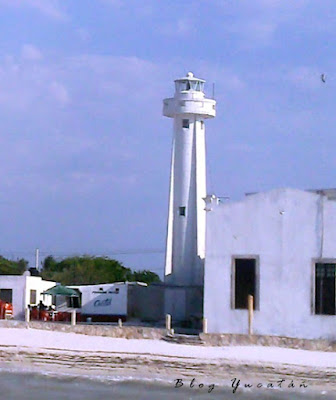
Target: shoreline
(107, 359)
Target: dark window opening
(182, 211)
(185, 123)
(325, 292)
(202, 124)
(73, 302)
(6, 295)
(245, 281)
(32, 297)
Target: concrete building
(23, 290)
(185, 249)
(278, 246)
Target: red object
(6, 309)
(44, 315)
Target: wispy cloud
(255, 23)
(59, 92)
(27, 85)
(67, 152)
(49, 8)
(31, 52)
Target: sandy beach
(61, 353)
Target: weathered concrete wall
(136, 332)
(287, 229)
(271, 341)
(146, 302)
(184, 303)
(194, 298)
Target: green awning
(60, 290)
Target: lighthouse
(185, 247)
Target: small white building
(280, 247)
(23, 290)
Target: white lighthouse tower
(185, 249)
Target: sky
(84, 148)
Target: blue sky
(84, 148)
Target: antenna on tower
(213, 91)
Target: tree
(146, 276)
(10, 267)
(88, 270)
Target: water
(19, 386)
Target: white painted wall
(38, 284)
(287, 229)
(185, 248)
(109, 303)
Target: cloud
(30, 52)
(59, 92)
(117, 75)
(88, 146)
(224, 78)
(49, 8)
(26, 87)
(255, 23)
(80, 124)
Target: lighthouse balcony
(204, 107)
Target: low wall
(207, 339)
(127, 332)
(217, 339)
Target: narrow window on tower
(325, 274)
(182, 211)
(202, 124)
(185, 123)
(244, 282)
